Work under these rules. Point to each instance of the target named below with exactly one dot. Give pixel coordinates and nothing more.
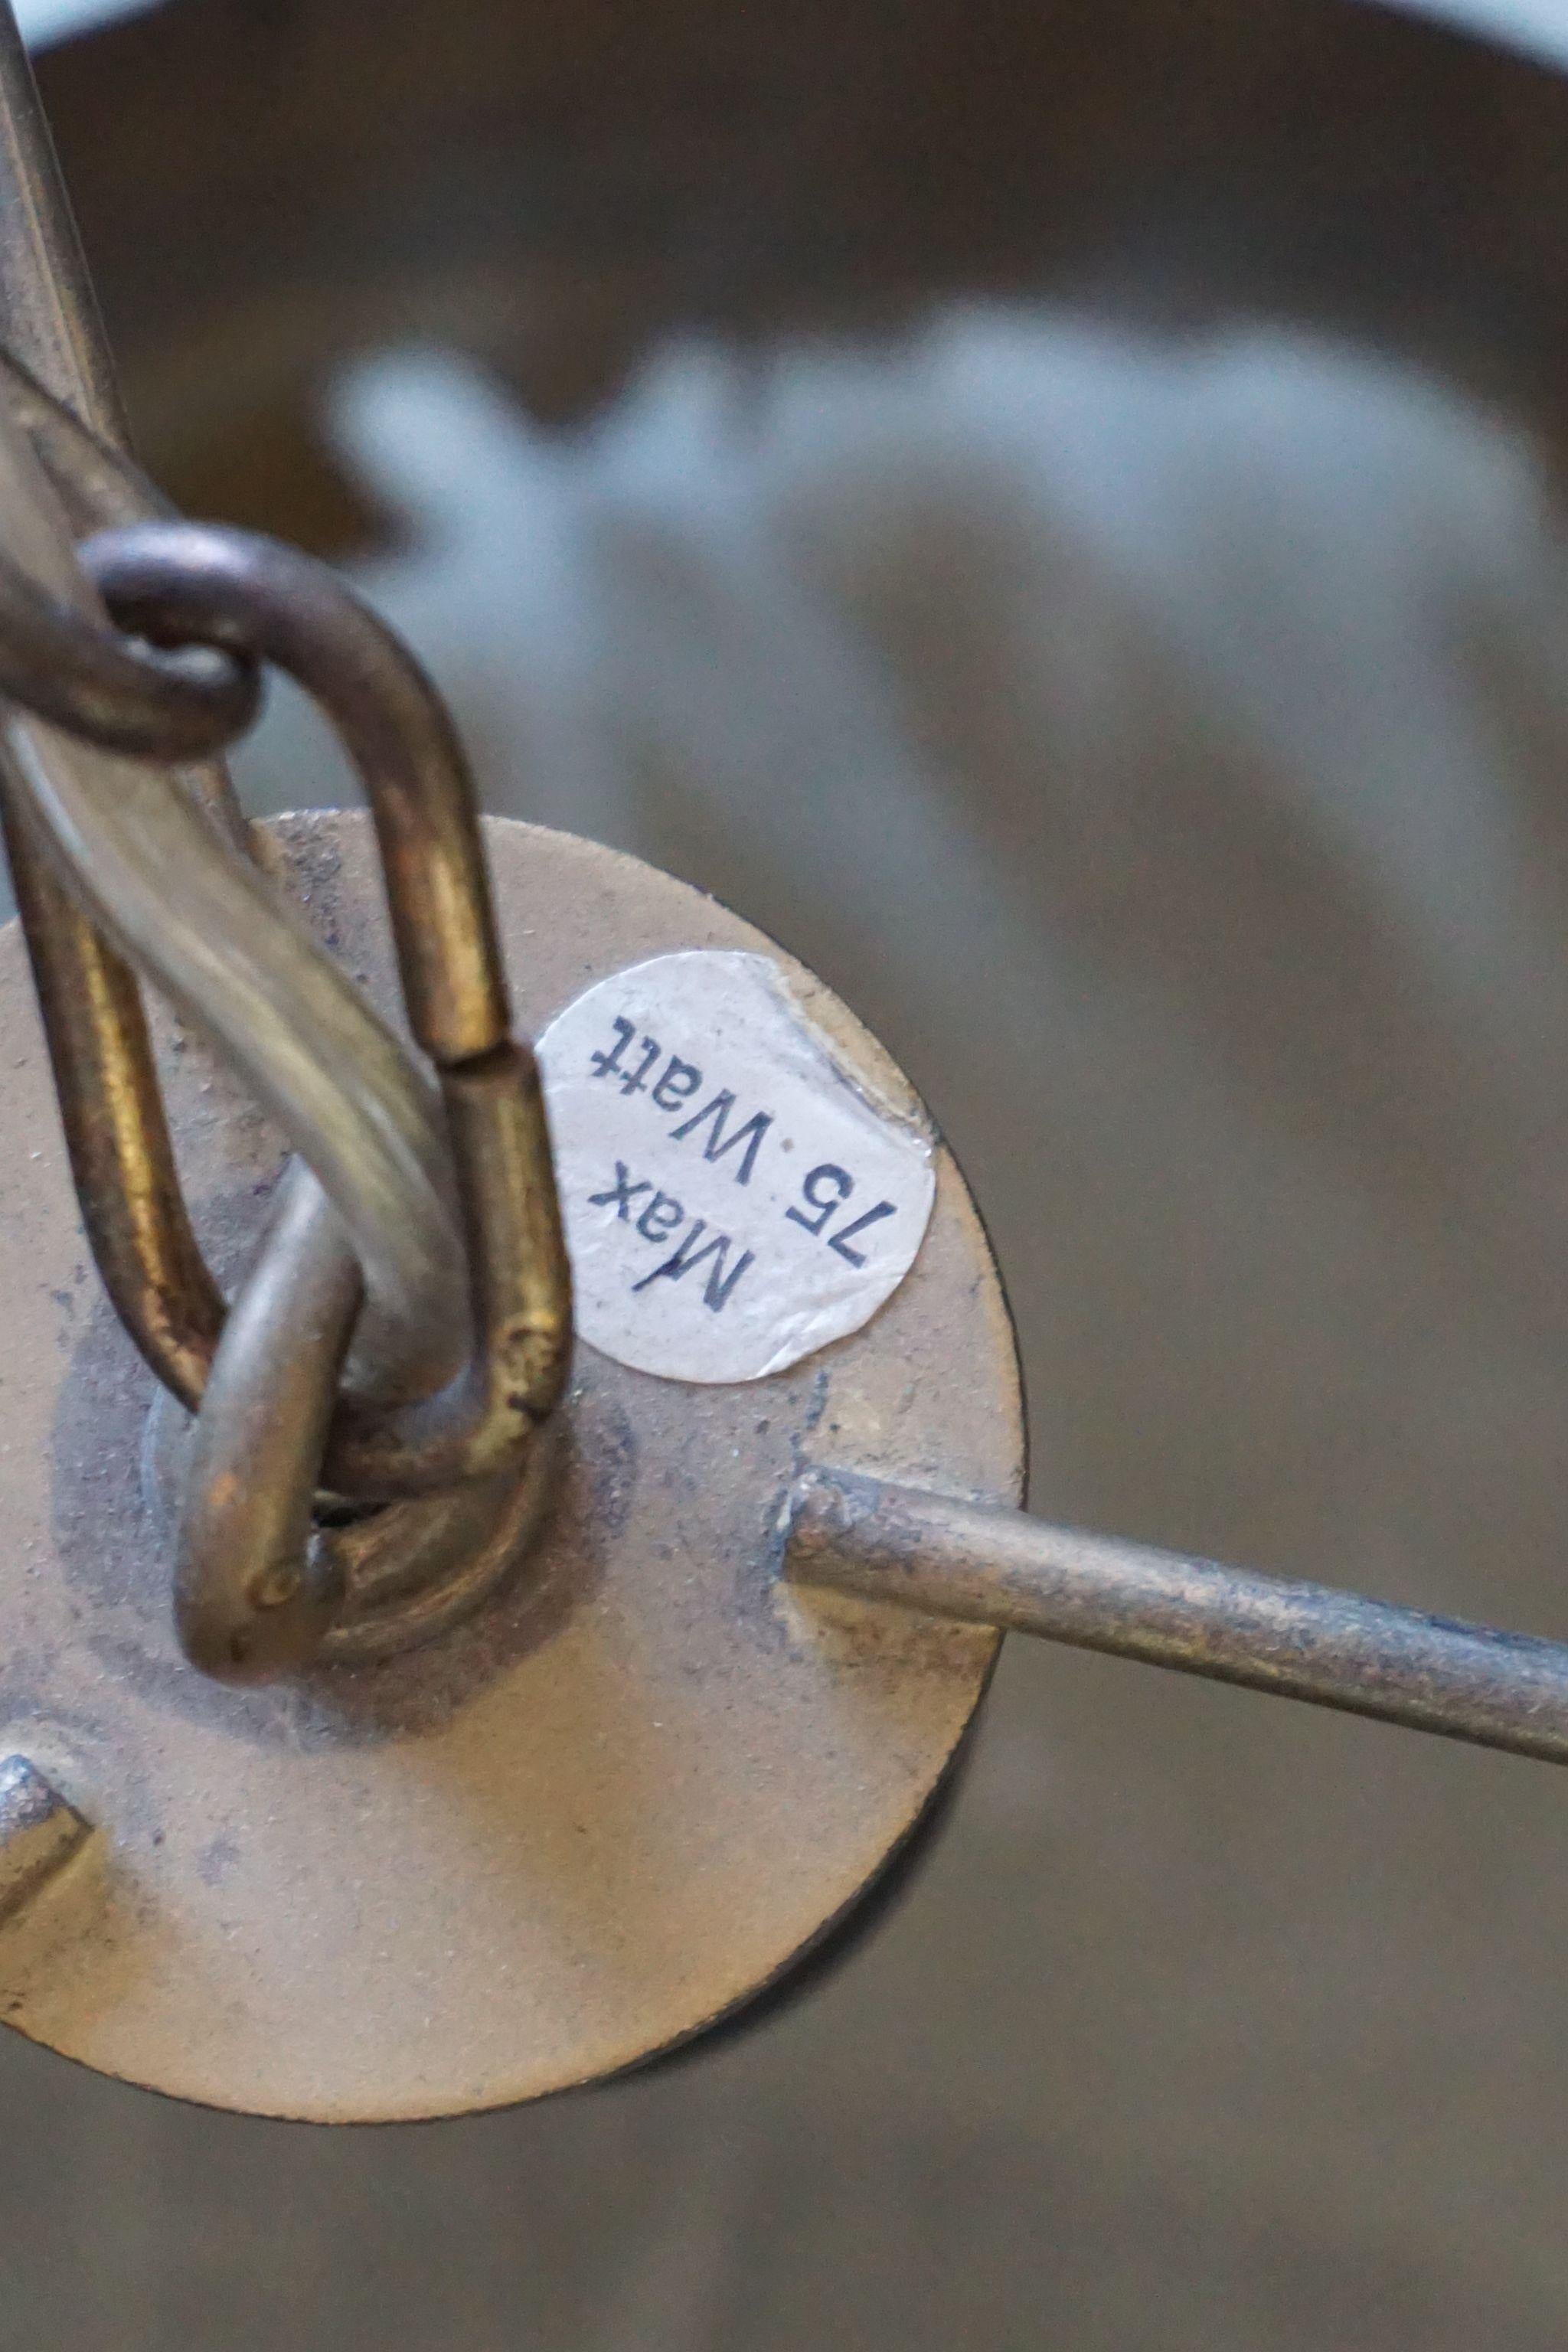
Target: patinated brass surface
(601, 1813)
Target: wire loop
(197, 581)
(119, 867)
(124, 695)
(401, 1423)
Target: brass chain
(445, 1195)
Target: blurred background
(1057, 513)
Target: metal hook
(191, 582)
(246, 1603)
(106, 689)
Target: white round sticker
(734, 1197)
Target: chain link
(195, 582)
(117, 868)
(192, 913)
(112, 691)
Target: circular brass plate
(582, 1825)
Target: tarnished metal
(253, 1598)
(254, 1590)
(122, 1158)
(51, 314)
(243, 1606)
(191, 583)
(39, 1832)
(106, 1084)
(314, 1053)
(101, 487)
(132, 833)
(614, 1801)
(202, 922)
(220, 942)
(400, 1576)
(106, 689)
(925, 1551)
(411, 1572)
(243, 1609)
(616, 1890)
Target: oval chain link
(188, 908)
(192, 583)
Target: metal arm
(1000, 1568)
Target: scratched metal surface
(1161, 743)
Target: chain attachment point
(272, 1426)
(254, 1595)
(122, 695)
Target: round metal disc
(611, 1806)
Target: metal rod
(253, 1598)
(122, 1158)
(1310, 1642)
(52, 316)
(339, 1080)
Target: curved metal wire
(106, 689)
(192, 581)
(122, 1159)
(247, 1603)
(236, 961)
(117, 1134)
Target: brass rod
(50, 313)
(1312, 1641)
(120, 1154)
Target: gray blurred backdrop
(1139, 686)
